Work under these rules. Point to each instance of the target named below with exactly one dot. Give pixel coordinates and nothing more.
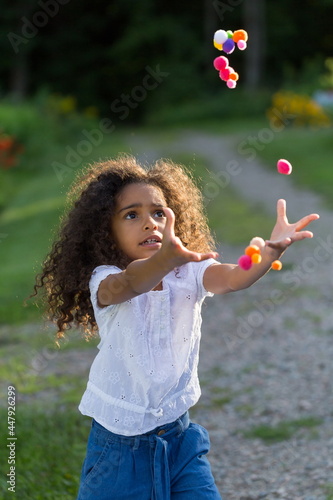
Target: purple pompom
(229, 46)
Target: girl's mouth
(151, 242)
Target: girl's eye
(130, 215)
(159, 213)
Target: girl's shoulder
(100, 273)
(191, 276)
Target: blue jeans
(166, 463)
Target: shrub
(297, 110)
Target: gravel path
(266, 356)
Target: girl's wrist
(164, 261)
(272, 253)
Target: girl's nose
(150, 223)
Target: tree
(254, 20)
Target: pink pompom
(231, 84)
(225, 73)
(284, 167)
(245, 262)
(229, 46)
(220, 63)
(241, 44)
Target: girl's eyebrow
(138, 205)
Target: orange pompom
(277, 265)
(240, 35)
(251, 249)
(234, 76)
(256, 258)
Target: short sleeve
(199, 269)
(98, 275)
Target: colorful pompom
(231, 84)
(229, 46)
(256, 258)
(225, 73)
(241, 45)
(277, 265)
(220, 37)
(234, 76)
(245, 262)
(227, 41)
(240, 35)
(252, 255)
(284, 167)
(259, 242)
(251, 249)
(220, 63)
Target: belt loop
(136, 443)
(182, 424)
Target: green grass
(28, 224)
(51, 433)
(283, 431)
(225, 109)
(311, 155)
(33, 363)
(328, 489)
(50, 450)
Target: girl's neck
(159, 286)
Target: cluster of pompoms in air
(252, 255)
(227, 41)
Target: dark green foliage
(99, 51)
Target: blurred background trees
(98, 50)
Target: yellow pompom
(218, 45)
(256, 258)
(277, 265)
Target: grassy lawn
(28, 224)
(284, 430)
(311, 154)
(50, 449)
(51, 433)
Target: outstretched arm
(143, 275)
(224, 278)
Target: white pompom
(259, 242)
(220, 36)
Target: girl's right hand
(173, 249)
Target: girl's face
(138, 221)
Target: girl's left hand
(284, 234)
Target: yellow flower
(91, 112)
(67, 104)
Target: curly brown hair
(85, 238)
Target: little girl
(134, 261)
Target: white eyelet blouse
(145, 373)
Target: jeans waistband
(178, 426)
